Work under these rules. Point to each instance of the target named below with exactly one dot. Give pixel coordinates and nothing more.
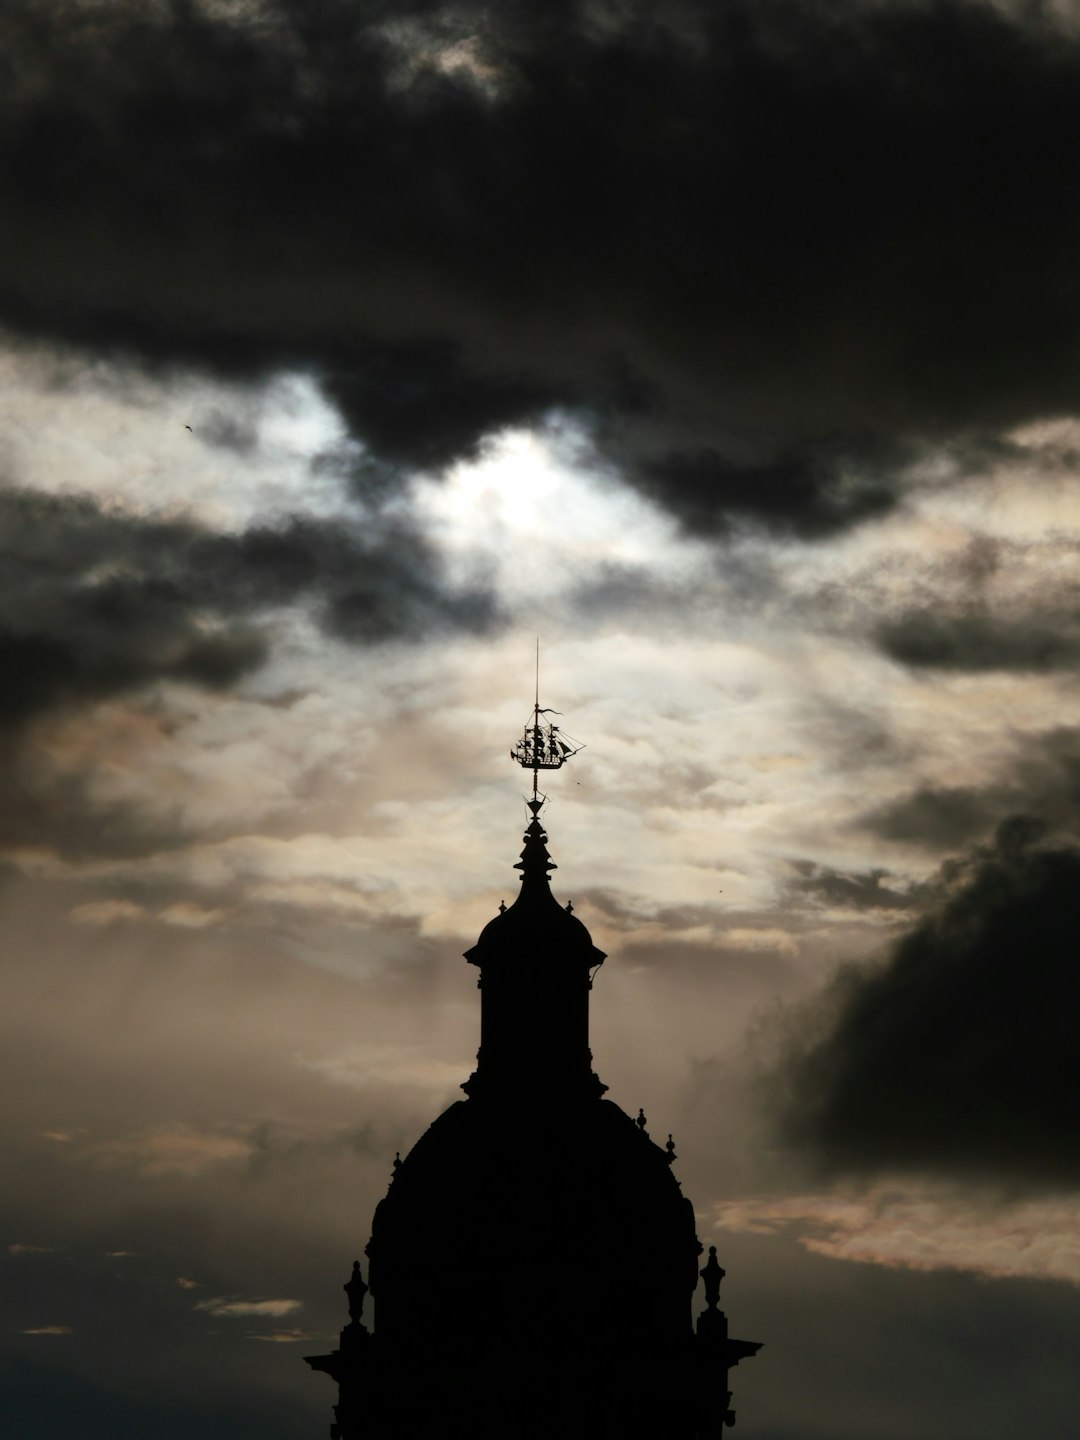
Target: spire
(536, 961)
(536, 933)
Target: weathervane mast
(543, 745)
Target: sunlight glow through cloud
(522, 516)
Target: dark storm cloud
(959, 1055)
(763, 251)
(1043, 778)
(95, 603)
(812, 492)
(974, 641)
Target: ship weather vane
(543, 744)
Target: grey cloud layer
(853, 891)
(763, 251)
(974, 640)
(1042, 778)
(95, 603)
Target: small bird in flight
(188, 427)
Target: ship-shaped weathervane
(543, 744)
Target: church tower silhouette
(534, 1259)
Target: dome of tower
(535, 919)
(501, 1179)
(531, 1238)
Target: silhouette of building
(534, 1259)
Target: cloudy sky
(734, 351)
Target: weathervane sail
(543, 745)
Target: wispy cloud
(173, 1150)
(186, 915)
(757, 939)
(101, 913)
(913, 1228)
(367, 1065)
(221, 1305)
